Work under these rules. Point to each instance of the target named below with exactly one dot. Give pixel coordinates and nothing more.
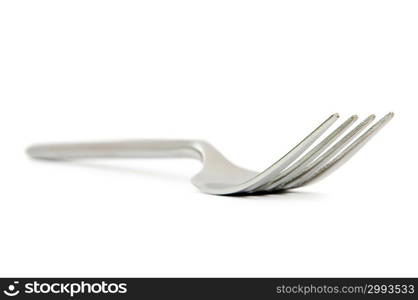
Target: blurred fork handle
(119, 149)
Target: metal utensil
(219, 176)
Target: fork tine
(302, 174)
(344, 156)
(311, 155)
(270, 173)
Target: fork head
(299, 167)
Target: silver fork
(299, 167)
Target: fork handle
(119, 149)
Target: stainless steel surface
(221, 177)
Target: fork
(301, 166)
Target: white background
(251, 77)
